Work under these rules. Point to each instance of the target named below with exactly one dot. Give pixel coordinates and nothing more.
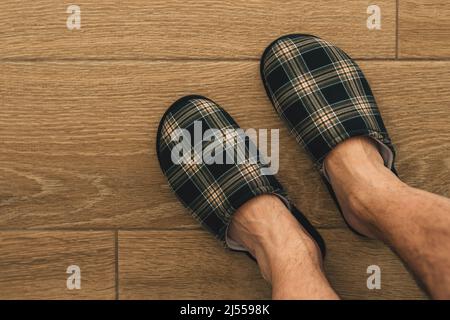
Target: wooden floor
(79, 179)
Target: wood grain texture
(33, 265)
(78, 139)
(192, 265)
(78, 118)
(138, 29)
(184, 265)
(424, 29)
(349, 256)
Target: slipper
(323, 97)
(214, 191)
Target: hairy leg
(414, 223)
(287, 256)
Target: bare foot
(359, 179)
(375, 202)
(287, 256)
(264, 225)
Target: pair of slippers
(320, 93)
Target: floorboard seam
(11, 61)
(116, 253)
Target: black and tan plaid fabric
(213, 192)
(321, 93)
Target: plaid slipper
(323, 96)
(213, 191)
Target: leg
(415, 223)
(288, 258)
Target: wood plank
(184, 265)
(141, 29)
(348, 258)
(33, 264)
(78, 139)
(193, 265)
(424, 29)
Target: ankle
(362, 183)
(288, 252)
(272, 235)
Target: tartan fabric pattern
(213, 192)
(321, 94)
